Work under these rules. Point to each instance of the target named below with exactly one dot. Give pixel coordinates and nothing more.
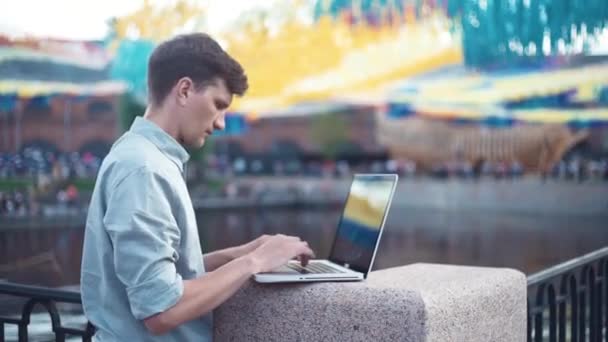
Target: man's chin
(195, 145)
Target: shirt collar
(165, 143)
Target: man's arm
(216, 259)
(207, 292)
(143, 230)
(203, 294)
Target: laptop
(357, 237)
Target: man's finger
(305, 250)
(304, 260)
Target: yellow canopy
(39, 88)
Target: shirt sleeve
(143, 231)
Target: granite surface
(419, 302)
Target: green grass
(214, 185)
(84, 184)
(14, 184)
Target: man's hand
(216, 259)
(277, 250)
(254, 244)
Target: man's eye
(220, 105)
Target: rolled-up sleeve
(143, 231)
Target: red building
(308, 132)
(56, 95)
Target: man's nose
(220, 123)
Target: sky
(86, 19)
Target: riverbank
(528, 195)
(521, 196)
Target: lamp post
(18, 112)
(5, 138)
(67, 123)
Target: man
(144, 277)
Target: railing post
(561, 317)
(552, 300)
(47, 298)
(605, 302)
(23, 332)
(528, 322)
(583, 289)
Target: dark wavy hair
(194, 55)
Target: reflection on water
(51, 256)
(527, 243)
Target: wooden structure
(538, 147)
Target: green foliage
(84, 184)
(198, 155)
(14, 184)
(129, 108)
(130, 65)
(329, 131)
(507, 32)
(215, 185)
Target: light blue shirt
(141, 239)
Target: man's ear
(183, 88)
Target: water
(526, 242)
(50, 256)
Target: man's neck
(162, 120)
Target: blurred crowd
(219, 165)
(578, 169)
(21, 203)
(34, 162)
(46, 179)
(52, 191)
(47, 166)
(14, 203)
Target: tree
(497, 32)
(330, 132)
(128, 109)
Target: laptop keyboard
(314, 268)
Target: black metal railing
(569, 302)
(47, 298)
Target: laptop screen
(362, 220)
